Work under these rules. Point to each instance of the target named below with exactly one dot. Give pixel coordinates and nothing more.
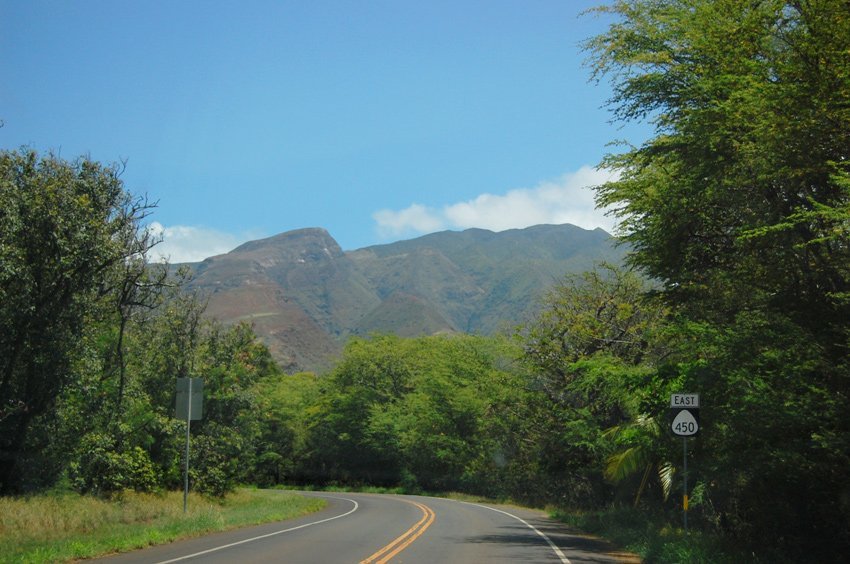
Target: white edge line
(551, 544)
(222, 547)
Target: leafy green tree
(594, 350)
(285, 405)
(178, 341)
(372, 373)
(422, 413)
(741, 197)
(141, 447)
(92, 338)
(602, 310)
(436, 430)
(232, 362)
(738, 207)
(640, 440)
(67, 232)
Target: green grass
(63, 527)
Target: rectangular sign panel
(183, 398)
(685, 400)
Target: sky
(376, 120)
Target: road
(378, 529)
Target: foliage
(179, 341)
(93, 338)
(737, 201)
(101, 468)
(601, 310)
(639, 441)
(648, 534)
(285, 404)
(423, 412)
(738, 208)
(67, 232)
(594, 348)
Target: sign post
(685, 411)
(190, 406)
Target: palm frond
(623, 464)
(666, 473)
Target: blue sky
(377, 120)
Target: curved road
(377, 529)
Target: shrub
(102, 467)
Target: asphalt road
(376, 529)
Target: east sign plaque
(685, 414)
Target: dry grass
(55, 528)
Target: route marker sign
(684, 409)
(686, 423)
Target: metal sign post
(685, 411)
(190, 406)
(685, 482)
(186, 466)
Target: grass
(63, 527)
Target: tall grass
(62, 527)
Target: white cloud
(569, 199)
(184, 243)
(415, 218)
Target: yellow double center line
(383, 556)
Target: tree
(284, 404)
(603, 310)
(67, 231)
(739, 207)
(372, 374)
(429, 412)
(742, 196)
(594, 350)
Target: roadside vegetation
(654, 537)
(60, 527)
(737, 287)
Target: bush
(102, 467)
(216, 461)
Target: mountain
(305, 295)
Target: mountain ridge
(305, 295)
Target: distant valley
(305, 295)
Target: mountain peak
(307, 237)
(305, 296)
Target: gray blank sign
(183, 398)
